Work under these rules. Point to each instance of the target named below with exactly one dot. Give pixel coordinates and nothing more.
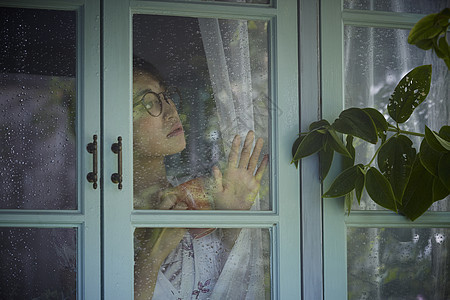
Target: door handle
(92, 148)
(117, 149)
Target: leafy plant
(404, 181)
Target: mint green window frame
(335, 221)
(105, 219)
(86, 218)
(119, 217)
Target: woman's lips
(177, 129)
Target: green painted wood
(204, 218)
(335, 221)
(334, 235)
(118, 256)
(204, 9)
(39, 218)
(119, 219)
(285, 128)
(311, 202)
(389, 219)
(45, 4)
(86, 217)
(89, 254)
(380, 19)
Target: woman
(178, 263)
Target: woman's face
(155, 136)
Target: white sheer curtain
(228, 61)
(226, 44)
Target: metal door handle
(117, 149)
(92, 148)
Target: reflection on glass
(38, 105)
(38, 263)
(375, 61)
(408, 6)
(202, 263)
(197, 84)
(398, 263)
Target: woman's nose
(169, 110)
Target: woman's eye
(148, 101)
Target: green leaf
(348, 202)
(435, 141)
(418, 195)
(425, 44)
(349, 161)
(425, 29)
(359, 184)
(447, 62)
(409, 93)
(444, 170)
(443, 17)
(319, 124)
(325, 160)
(343, 184)
(429, 157)
(444, 132)
(336, 143)
(441, 47)
(309, 145)
(378, 119)
(294, 149)
(380, 190)
(395, 160)
(439, 190)
(356, 122)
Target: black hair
(140, 65)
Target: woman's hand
(237, 188)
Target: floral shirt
(192, 269)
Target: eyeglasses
(153, 102)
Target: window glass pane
(416, 6)
(398, 263)
(202, 263)
(375, 61)
(38, 108)
(38, 263)
(216, 74)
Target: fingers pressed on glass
(246, 150)
(169, 200)
(218, 178)
(255, 155)
(234, 152)
(262, 168)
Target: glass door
(79, 211)
(49, 82)
(373, 253)
(206, 204)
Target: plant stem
(378, 150)
(406, 132)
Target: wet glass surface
(398, 263)
(38, 109)
(220, 70)
(375, 61)
(205, 262)
(38, 263)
